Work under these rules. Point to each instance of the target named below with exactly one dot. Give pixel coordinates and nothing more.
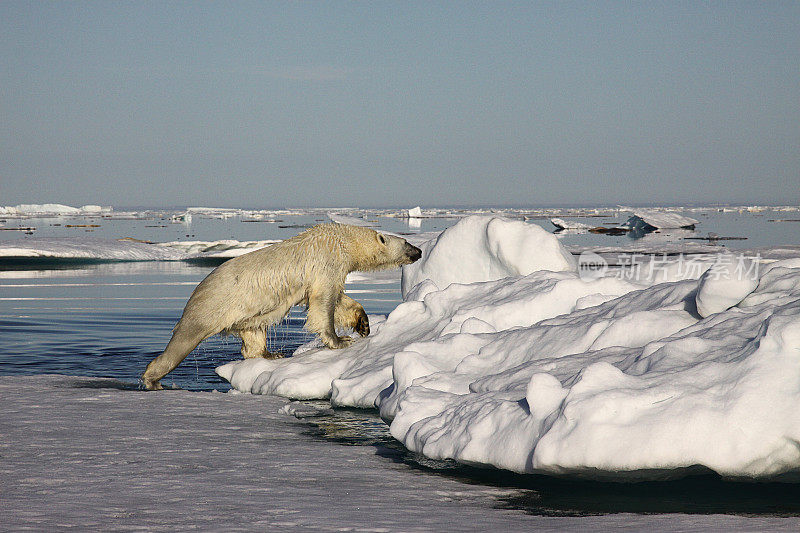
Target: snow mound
(726, 283)
(626, 389)
(483, 248)
(549, 372)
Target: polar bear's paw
(334, 342)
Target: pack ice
(502, 354)
(91, 249)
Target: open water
(109, 319)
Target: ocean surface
(91, 316)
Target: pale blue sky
(261, 104)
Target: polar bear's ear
(381, 238)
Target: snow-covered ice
(92, 454)
(95, 454)
(90, 249)
(87, 249)
(351, 220)
(504, 355)
(560, 223)
(30, 210)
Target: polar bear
(247, 294)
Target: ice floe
(90, 249)
(351, 220)
(560, 223)
(30, 210)
(649, 219)
(503, 354)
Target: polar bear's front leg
(320, 320)
(350, 314)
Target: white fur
(246, 295)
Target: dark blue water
(110, 320)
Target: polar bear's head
(397, 250)
(370, 250)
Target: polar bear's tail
(184, 340)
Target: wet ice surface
(93, 453)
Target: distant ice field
(751, 226)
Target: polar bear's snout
(412, 253)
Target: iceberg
(517, 362)
(652, 219)
(415, 217)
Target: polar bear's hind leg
(254, 344)
(184, 340)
